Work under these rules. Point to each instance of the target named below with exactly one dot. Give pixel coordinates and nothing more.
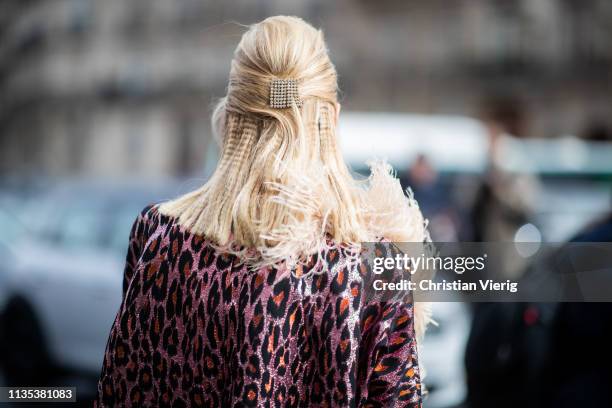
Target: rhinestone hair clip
(283, 92)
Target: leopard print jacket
(197, 328)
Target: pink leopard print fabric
(197, 328)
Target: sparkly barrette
(283, 92)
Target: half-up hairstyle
(281, 187)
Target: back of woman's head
(279, 48)
(281, 185)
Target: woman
(247, 291)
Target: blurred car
(12, 229)
(63, 288)
(400, 138)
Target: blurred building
(118, 87)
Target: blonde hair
(281, 186)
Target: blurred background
(497, 113)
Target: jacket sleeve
(135, 247)
(388, 374)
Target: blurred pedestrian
(434, 199)
(543, 354)
(506, 196)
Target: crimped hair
(281, 186)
